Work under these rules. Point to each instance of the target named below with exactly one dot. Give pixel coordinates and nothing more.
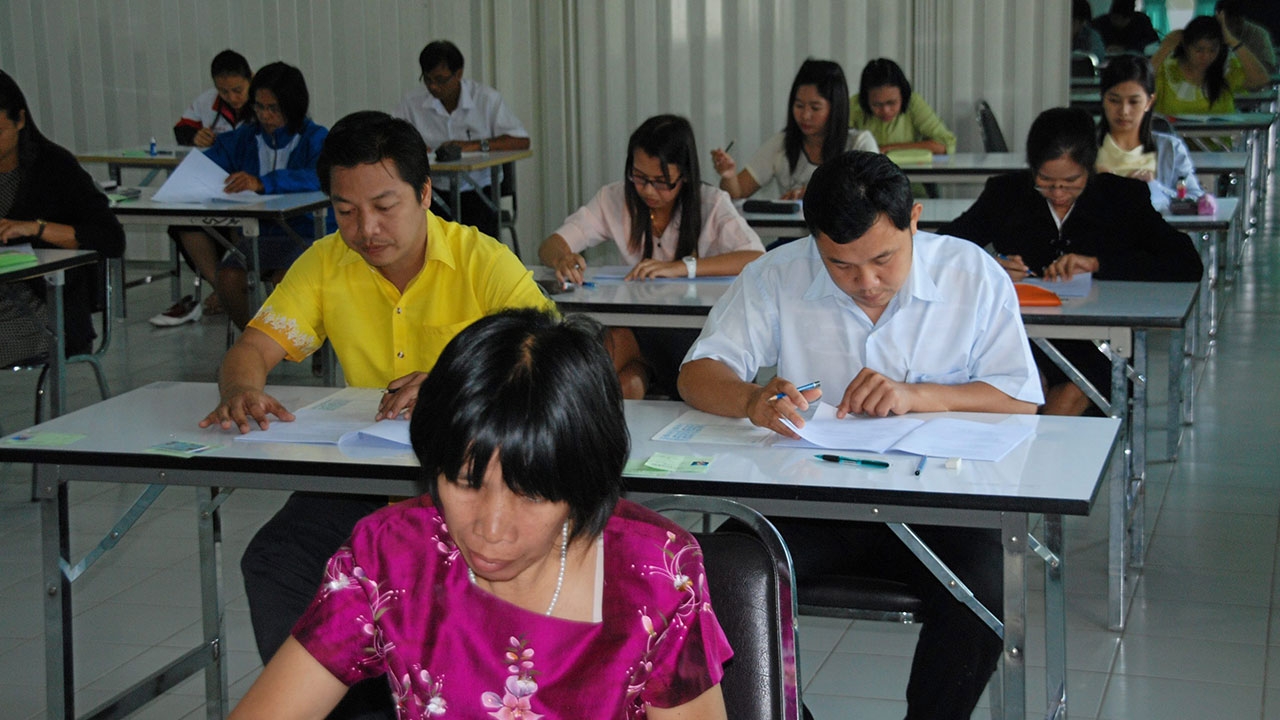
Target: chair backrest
(1083, 64)
(1160, 123)
(753, 594)
(992, 138)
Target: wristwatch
(484, 145)
(691, 265)
(40, 232)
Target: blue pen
(1026, 270)
(841, 459)
(807, 386)
(920, 466)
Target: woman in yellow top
(898, 118)
(1200, 69)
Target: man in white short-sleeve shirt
(891, 321)
(453, 110)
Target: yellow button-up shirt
(378, 333)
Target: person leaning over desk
(891, 321)
(816, 131)
(222, 108)
(1059, 218)
(665, 223)
(1200, 69)
(519, 585)
(49, 201)
(389, 290)
(897, 117)
(451, 110)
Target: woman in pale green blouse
(898, 118)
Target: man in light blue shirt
(891, 321)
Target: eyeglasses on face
(438, 79)
(640, 181)
(1073, 186)
(273, 108)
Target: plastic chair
(1083, 64)
(992, 138)
(507, 218)
(752, 590)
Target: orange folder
(1034, 296)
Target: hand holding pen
(400, 396)
(723, 162)
(781, 399)
(1014, 265)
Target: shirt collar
(919, 285)
(466, 99)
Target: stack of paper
(197, 179)
(15, 256)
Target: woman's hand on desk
(766, 409)
(649, 269)
(401, 396)
(11, 230)
(570, 268)
(1068, 265)
(794, 193)
(1013, 264)
(240, 181)
(239, 406)
(204, 137)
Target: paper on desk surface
(342, 419)
(197, 179)
(936, 437)
(619, 272)
(697, 426)
(1078, 286)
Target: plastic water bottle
(1182, 188)
(152, 150)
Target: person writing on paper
(665, 223)
(222, 108)
(451, 110)
(890, 320)
(48, 201)
(388, 291)
(1059, 218)
(817, 130)
(898, 118)
(1124, 29)
(1129, 147)
(1200, 69)
(520, 550)
(274, 153)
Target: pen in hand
(807, 386)
(729, 147)
(1025, 270)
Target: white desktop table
(52, 265)
(471, 162)
(167, 158)
(249, 218)
(1057, 472)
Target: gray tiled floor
(1204, 618)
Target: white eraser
(953, 463)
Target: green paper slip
(637, 468)
(678, 463)
(14, 259)
(181, 448)
(43, 439)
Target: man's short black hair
(543, 394)
(290, 88)
(369, 136)
(230, 62)
(437, 52)
(847, 195)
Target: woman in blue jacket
(274, 153)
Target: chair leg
(103, 390)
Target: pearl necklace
(564, 553)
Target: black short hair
(290, 88)
(828, 77)
(1062, 131)
(847, 195)
(543, 394)
(669, 138)
(366, 137)
(437, 52)
(230, 62)
(879, 73)
(1081, 10)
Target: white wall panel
(581, 74)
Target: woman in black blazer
(1059, 218)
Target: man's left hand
(401, 396)
(871, 393)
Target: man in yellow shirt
(389, 290)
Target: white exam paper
(1078, 286)
(197, 179)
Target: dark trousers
(956, 652)
(475, 211)
(283, 567)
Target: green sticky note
(664, 461)
(181, 448)
(637, 468)
(44, 439)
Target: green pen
(853, 461)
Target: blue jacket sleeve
(300, 175)
(1173, 161)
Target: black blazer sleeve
(1136, 243)
(57, 189)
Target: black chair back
(992, 138)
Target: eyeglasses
(273, 108)
(1072, 188)
(437, 80)
(640, 181)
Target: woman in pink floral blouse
(520, 585)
